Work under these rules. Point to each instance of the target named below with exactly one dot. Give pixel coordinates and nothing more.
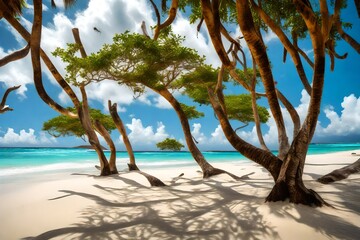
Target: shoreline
(82, 205)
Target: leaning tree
(295, 21)
(7, 12)
(137, 61)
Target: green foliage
(65, 126)
(197, 82)
(191, 112)
(134, 60)
(170, 144)
(239, 108)
(227, 10)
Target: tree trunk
(105, 134)
(290, 48)
(264, 158)
(85, 119)
(26, 35)
(121, 128)
(290, 185)
(154, 181)
(292, 111)
(207, 169)
(259, 53)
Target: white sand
(63, 206)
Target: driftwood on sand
(341, 173)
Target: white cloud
(141, 135)
(341, 126)
(197, 134)
(161, 102)
(11, 138)
(218, 136)
(269, 36)
(216, 140)
(11, 76)
(196, 40)
(344, 124)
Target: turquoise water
(14, 161)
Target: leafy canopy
(66, 126)
(170, 144)
(134, 60)
(238, 107)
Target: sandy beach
(84, 206)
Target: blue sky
(149, 119)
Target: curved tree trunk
(207, 169)
(292, 111)
(105, 134)
(290, 48)
(289, 184)
(35, 39)
(255, 110)
(257, 122)
(121, 128)
(264, 158)
(259, 53)
(26, 35)
(85, 119)
(154, 181)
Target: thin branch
(3, 101)
(143, 28)
(15, 55)
(350, 40)
(171, 17)
(26, 35)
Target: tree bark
(105, 134)
(154, 181)
(85, 119)
(15, 55)
(35, 39)
(288, 46)
(289, 183)
(26, 35)
(168, 21)
(259, 53)
(341, 173)
(263, 157)
(121, 128)
(207, 169)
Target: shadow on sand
(195, 209)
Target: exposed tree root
(279, 192)
(298, 194)
(341, 173)
(216, 171)
(154, 181)
(105, 171)
(133, 167)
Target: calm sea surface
(15, 161)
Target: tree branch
(15, 55)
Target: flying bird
(95, 29)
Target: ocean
(28, 161)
